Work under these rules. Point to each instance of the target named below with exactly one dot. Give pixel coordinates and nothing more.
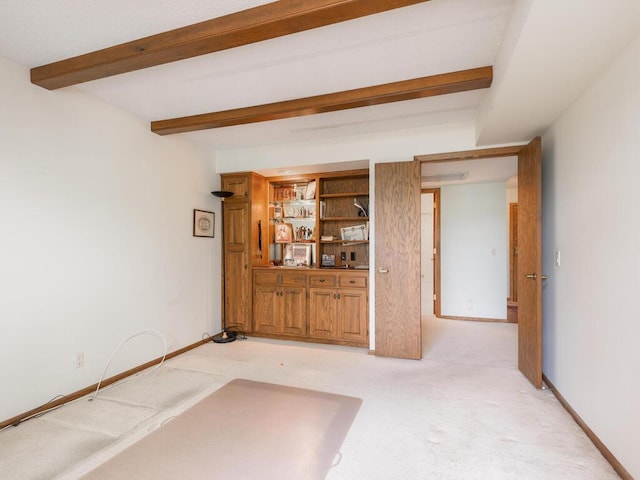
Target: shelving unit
(337, 194)
(317, 206)
(287, 205)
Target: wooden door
(237, 282)
(397, 260)
(530, 262)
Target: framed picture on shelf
(354, 233)
(328, 260)
(310, 191)
(203, 223)
(283, 232)
(297, 254)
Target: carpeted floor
(463, 412)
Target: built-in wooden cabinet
(279, 303)
(306, 305)
(338, 307)
(244, 215)
(268, 293)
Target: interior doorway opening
(467, 267)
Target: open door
(530, 262)
(529, 247)
(398, 330)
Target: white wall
(473, 250)
(591, 327)
(96, 241)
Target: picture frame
(310, 191)
(203, 223)
(354, 233)
(283, 233)
(297, 254)
(328, 260)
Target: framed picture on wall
(203, 223)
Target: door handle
(533, 276)
(383, 270)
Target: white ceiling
(498, 170)
(544, 54)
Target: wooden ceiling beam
(442, 84)
(256, 24)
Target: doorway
(529, 259)
(427, 256)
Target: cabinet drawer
(352, 281)
(296, 279)
(322, 281)
(266, 277)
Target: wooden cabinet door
(323, 305)
(293, 302)
(352, 315)
(267, 309)
(238, 184)
(237, 275)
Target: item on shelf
(284, 193)
(354, 233)
(291, 212)
(362, 212)
(297, 254)
(327, 238)
(328, 260)
(310, 191)
(303, 233)
(284, 233)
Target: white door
(426, 260)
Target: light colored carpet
(464, 412)
(243, 430)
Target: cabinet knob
(322, 280)
(352, 281)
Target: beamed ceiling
(245, 73)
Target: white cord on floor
(142, 332)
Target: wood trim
(436, 244)
(272, 20)
(475, 319)
(15, 421)
(442, 84)
(513, 257)
(478, 154)
(606, 453)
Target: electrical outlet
(343, 256)
(353, 256)
(78, 360)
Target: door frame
(436, 247)
(530, 367)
